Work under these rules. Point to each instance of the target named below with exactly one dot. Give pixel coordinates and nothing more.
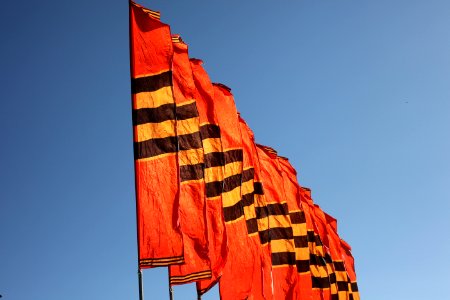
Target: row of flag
(212, 205)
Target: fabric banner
(155, 140)
(298, 220)
(280, 234)
(214, 175)
(190, 159)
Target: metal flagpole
(170, 286)
(141, 286)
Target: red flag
(319, 273)
(155, 140)
(236, 281)
(280, 233)
(191, 162)
(214, 164)
(342, 279)
(298, 220)
(350, 267)
(262, 275)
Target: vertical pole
(141, 286)
(170, 286)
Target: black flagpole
(170, 286)
(141, 286)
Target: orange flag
(236, 281)
(262, 277)
(318, 266)
(298, 220)
(350, 267)
(214, 175)
(280, 235)
(190, 156)
(155, 140)
(342, 280)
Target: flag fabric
(190, 157)
(298, 220)
(240, 258)
(214, 175)
(155, 140)
(253, 199)
(211, 204)
(280, 234)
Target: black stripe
(252, 226)
(188, 111)
(190, 141)
(320, 282)
(155, 147)
(278, 209)
(354, 287)
(342, 286)
(339, 266)
(213, 189)
(232, 213)
(334, 297)
(332, 277)
(191, 172)
(258, 187)
(311, 236)
(350, 297)
(210, 131)
(154, 115)
(301, 241)
(283, 258)
(298, 217)
(281, 233)
(317, 260)
(328, 259)
(231, 156)
(317, 240)
(151, 83)
(232, 182)
(261, 212)
(302, 266)
(248, 199)
(214, 159)
(264, 236)
(248, 175)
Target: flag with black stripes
(239, 264)
(190, 159)
(298, 220)
(155, 140)
(349, 262)
(280, 234)
(213, 173)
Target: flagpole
(141, 286)
(170, 286)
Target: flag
(280, 234)
(190, 157)
(214, 175)
(350, 267)
(318, 266)
(342, 279)
(262, 275)
(239, 264)
(298, 220)
(155, 140)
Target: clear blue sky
(355, 93)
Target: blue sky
(355, 93)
